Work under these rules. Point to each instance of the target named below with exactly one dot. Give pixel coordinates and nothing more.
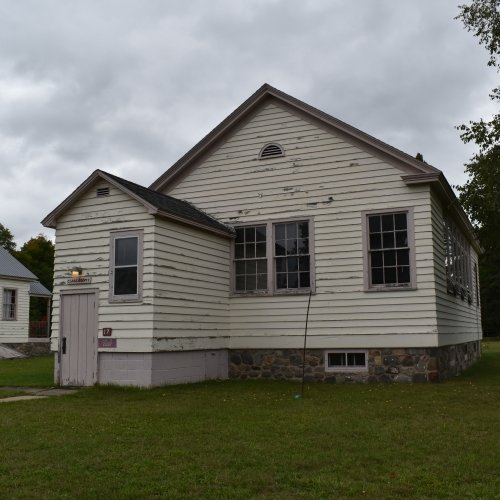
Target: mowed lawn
(254, 440)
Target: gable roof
(403, 160)
(156, 204)
(10, 267)
(413, 171)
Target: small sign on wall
(106, 342)
(81, 280)
(107, 332)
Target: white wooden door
(78, 342)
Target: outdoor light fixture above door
(76, 272)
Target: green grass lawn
(9, 394)
(32, 372)
(252, 439)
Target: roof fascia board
(446, 193)
(396, 157)
(352, 132)
(182, 220)
(51, 219)
(205, 145)
(176, 176)
(13, 277)
(350, 138)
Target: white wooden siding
(191, 287)
(15, 330)
(324, 177)
(83, 240)
(458, 321)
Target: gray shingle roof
(11, 267)
(36, 288)
(171, 205)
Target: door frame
(77, 291)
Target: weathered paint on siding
(83, 239)
(323, 177)
(191, 287)
(458, 321)
(15, 330)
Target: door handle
(64, 345)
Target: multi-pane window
(345, 360)
(250, 257)
(389, 250)
(272, 257)
(291, 251)
(457, 262)
(9, 304)
(126, 265)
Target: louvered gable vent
(271, 150)
(101, 192)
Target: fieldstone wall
(384, 365)
(38, 348)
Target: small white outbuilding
(17, 285)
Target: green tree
(480, 195)
(37, 254)
(7, 239)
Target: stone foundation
(39, 347)
(422, 364)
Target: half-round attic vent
(271, 150)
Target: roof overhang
(266, 93)
(17, 278)
(438, 182)
(51, 219)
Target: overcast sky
(130, 86)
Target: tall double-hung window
(273, 257)
(126, 266)
(388, 249)
(9, 304)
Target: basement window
(351, 360)
(272, 150)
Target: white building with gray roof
(17, 285)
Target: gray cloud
(129, 86)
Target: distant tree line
(480, 195)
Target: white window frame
(116, 235)
(410, 227)
(271, 267)
(5, 304)
(349, 369)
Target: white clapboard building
(208, 273)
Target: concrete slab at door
(78, 343)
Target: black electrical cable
(305, 343)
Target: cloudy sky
(129, 86)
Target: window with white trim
(9, 308)
(126, 266)
(273, 257)
(349, 360)
(388, 247)
(457, 262)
